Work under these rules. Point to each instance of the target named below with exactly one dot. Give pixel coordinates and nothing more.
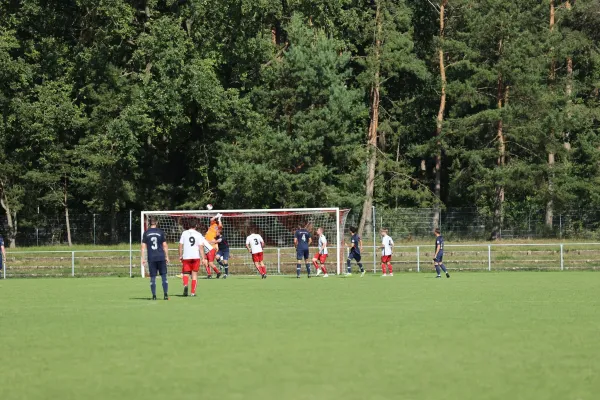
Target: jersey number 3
(154, 245)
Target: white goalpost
(276, 226)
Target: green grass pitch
(527, 335)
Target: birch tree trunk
(568, 92)
(11, 219)
(440, 121)
(550, 202)
(66, 206)
(502, 99)
(366, 216)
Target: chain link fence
(404, 224)
(86, 229)
(476, 224)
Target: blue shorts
(157, 268)
(301, 254)
(439, 257)
(354, 255)
(223, 254)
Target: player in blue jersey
(439, 254)
(355, 250)
(302, 240)
(155, 256)
(3, 253)
(223, 253)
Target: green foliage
(309, 154)
(113, 105)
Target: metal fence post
(560, 226)
(278, 260)
(562, 260)
(489, 257)
(130, 245)
(418, 259)
(72, 263)
(94, 229)
(374, 242)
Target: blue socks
(360, 266)
(298, 267)
(444, 268)
(165, 283)
(153, 285)
(437, 269)
(226, 266)
(308, 269)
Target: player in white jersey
(255, 245)
(387, 247)
(191, 251)
(321, 258)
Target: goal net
(276, 227)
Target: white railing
(493, 256)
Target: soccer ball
(209, 206)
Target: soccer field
(527, 335)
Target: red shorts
(210, 256)
(321, 258)
(386, 259)
(257, 257)
(191, 266)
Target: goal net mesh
(276, 227)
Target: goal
(276, 226)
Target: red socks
(324, 269)
(207, 270)
(263, 270)
(194, 284)
(186, 280)
(316, 265)
(383, 268)
(216, 269)
(390, 268)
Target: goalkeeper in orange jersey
(211, 236)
